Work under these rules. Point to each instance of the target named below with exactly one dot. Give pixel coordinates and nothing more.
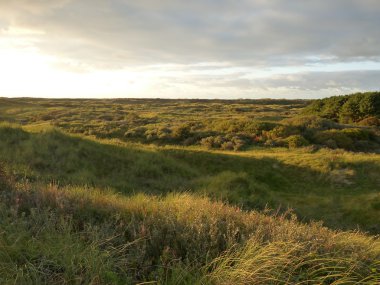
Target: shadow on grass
(245, 181)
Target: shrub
(181, 132)
(258, 127)
(190, 141)
(218, 141)
(357, 134)
(331, 143)
(370, 122)
(164, 133)
(364, 145)
(207, 142)
(243, 126)
(213, 141)
(227, 145)
(332, 138)
(269, 142)
(238, 143)
(135, 132)
(281, 132)
(150, 134)
(311, 122)
(296, 141)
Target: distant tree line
(352, 108)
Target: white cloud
(236, 47)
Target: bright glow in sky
(30, 73)
(203, 49)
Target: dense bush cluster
(293, 132)
(240, 134)
(348, 108)
(228, 142)
(178, 134)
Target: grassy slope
(76, 235)
(337, 187)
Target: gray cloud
(208, 47)
(259, 33)
(299, 85)
(344, 80)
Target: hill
(343, 184)
(76, 235)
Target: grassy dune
(77, 235)
(338, 187)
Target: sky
(188, 49)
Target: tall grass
(285, 262)
(77, 235)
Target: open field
(135, 190)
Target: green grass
(76, 235)
(337, 187)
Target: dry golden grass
(94, 236)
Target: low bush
(181, 132)
(358, 134)
(283, 131)
(224, 142)
(349, 139)
(135, 132)
(296, 141)
(370, 122)
(310, 122)
(334, 139)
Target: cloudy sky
(189, 49)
